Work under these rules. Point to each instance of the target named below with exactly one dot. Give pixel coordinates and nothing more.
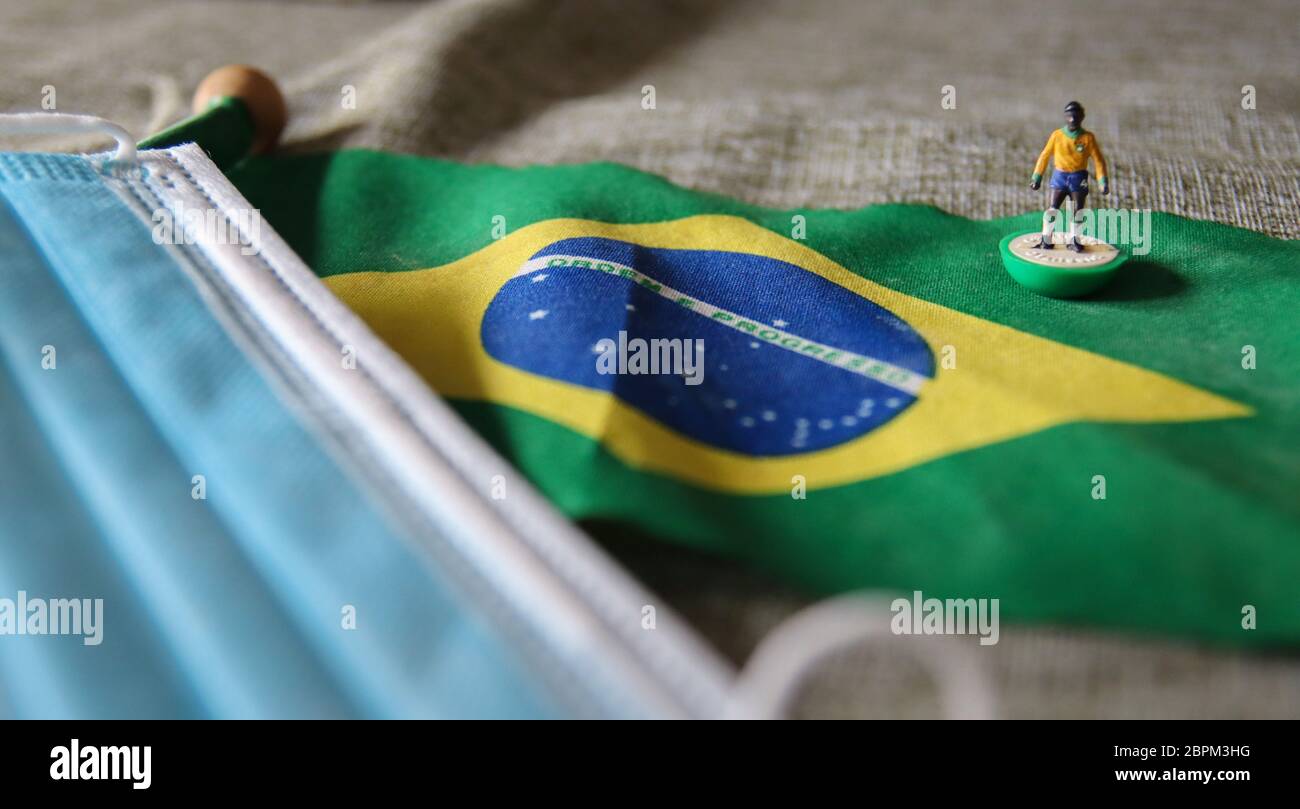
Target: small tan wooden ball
(259, 93)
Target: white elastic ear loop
(58, 123)
(789, 653)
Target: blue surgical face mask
(257, 509)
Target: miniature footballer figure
(1088, 263)
(1069, 148)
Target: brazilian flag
(879, 405)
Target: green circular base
(1060, 272)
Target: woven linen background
(785, 104)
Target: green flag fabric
(877, 403)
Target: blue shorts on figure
(1075, 182)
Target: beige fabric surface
(787, 104)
